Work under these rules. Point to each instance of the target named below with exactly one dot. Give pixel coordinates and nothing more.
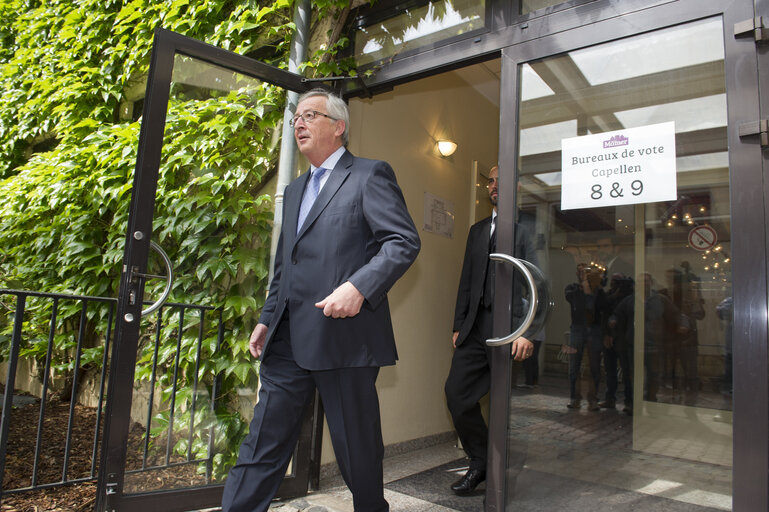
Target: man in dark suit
(346, 238)
(469, 376)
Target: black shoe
(469, 482)
(607, 404)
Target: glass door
(182, 384)
(625, 173)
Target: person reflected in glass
(662, 319)
(617, 274)
(682, 350)
(725, 311)
(617, 345)
(587, 300)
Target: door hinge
(760, 128)
(754, 26)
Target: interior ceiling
(565, 78)
(572, 97)
(484, 78)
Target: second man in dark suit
(469, 376)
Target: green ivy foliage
(64, 61)
(67, 157)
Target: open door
(162, 436)
(640, 401)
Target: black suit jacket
(474, 267)
(358, 230)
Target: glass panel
(527, 6)
(195, 382)
(418, 27)
(632, 408)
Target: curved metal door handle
(533, 303)
(169, 279)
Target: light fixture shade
(446, 147)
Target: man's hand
(345, 301)
(256, 341)
(454, 338)
(522, 349)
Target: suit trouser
(468, 381)
(531, 365)
(581, 336)
(610, 359)
(352, 410)
(625, 358)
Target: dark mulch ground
(76, 497)
(19, 459)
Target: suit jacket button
(293, 261)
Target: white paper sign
(439, 215)
(632, 166)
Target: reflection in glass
(535, 86)
(636, 392)
(528, 6)
(700, 43)
(418, 27)
(195, 384)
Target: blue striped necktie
(310, 195)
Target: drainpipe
(287, 163)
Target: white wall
(401, 127)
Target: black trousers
(531, 365)
(351, 404)
(468, 381)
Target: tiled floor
(560, 459)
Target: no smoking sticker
(702, 238)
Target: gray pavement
(559, 459)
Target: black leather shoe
(469, 482)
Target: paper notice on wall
(632, 166)
(439, 215)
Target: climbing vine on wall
(71, 72)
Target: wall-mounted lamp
(446, 147)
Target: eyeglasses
(309, 117)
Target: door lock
(134, 276)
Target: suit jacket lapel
(484, 236)
(481, 248)
(335, 180)
(293, 199)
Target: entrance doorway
(663, 436)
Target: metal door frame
(743, 64)
(110, 494)
(751, 441)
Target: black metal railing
(71, 335)
(163, 330)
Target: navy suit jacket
(358, 230)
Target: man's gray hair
(336, 107)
